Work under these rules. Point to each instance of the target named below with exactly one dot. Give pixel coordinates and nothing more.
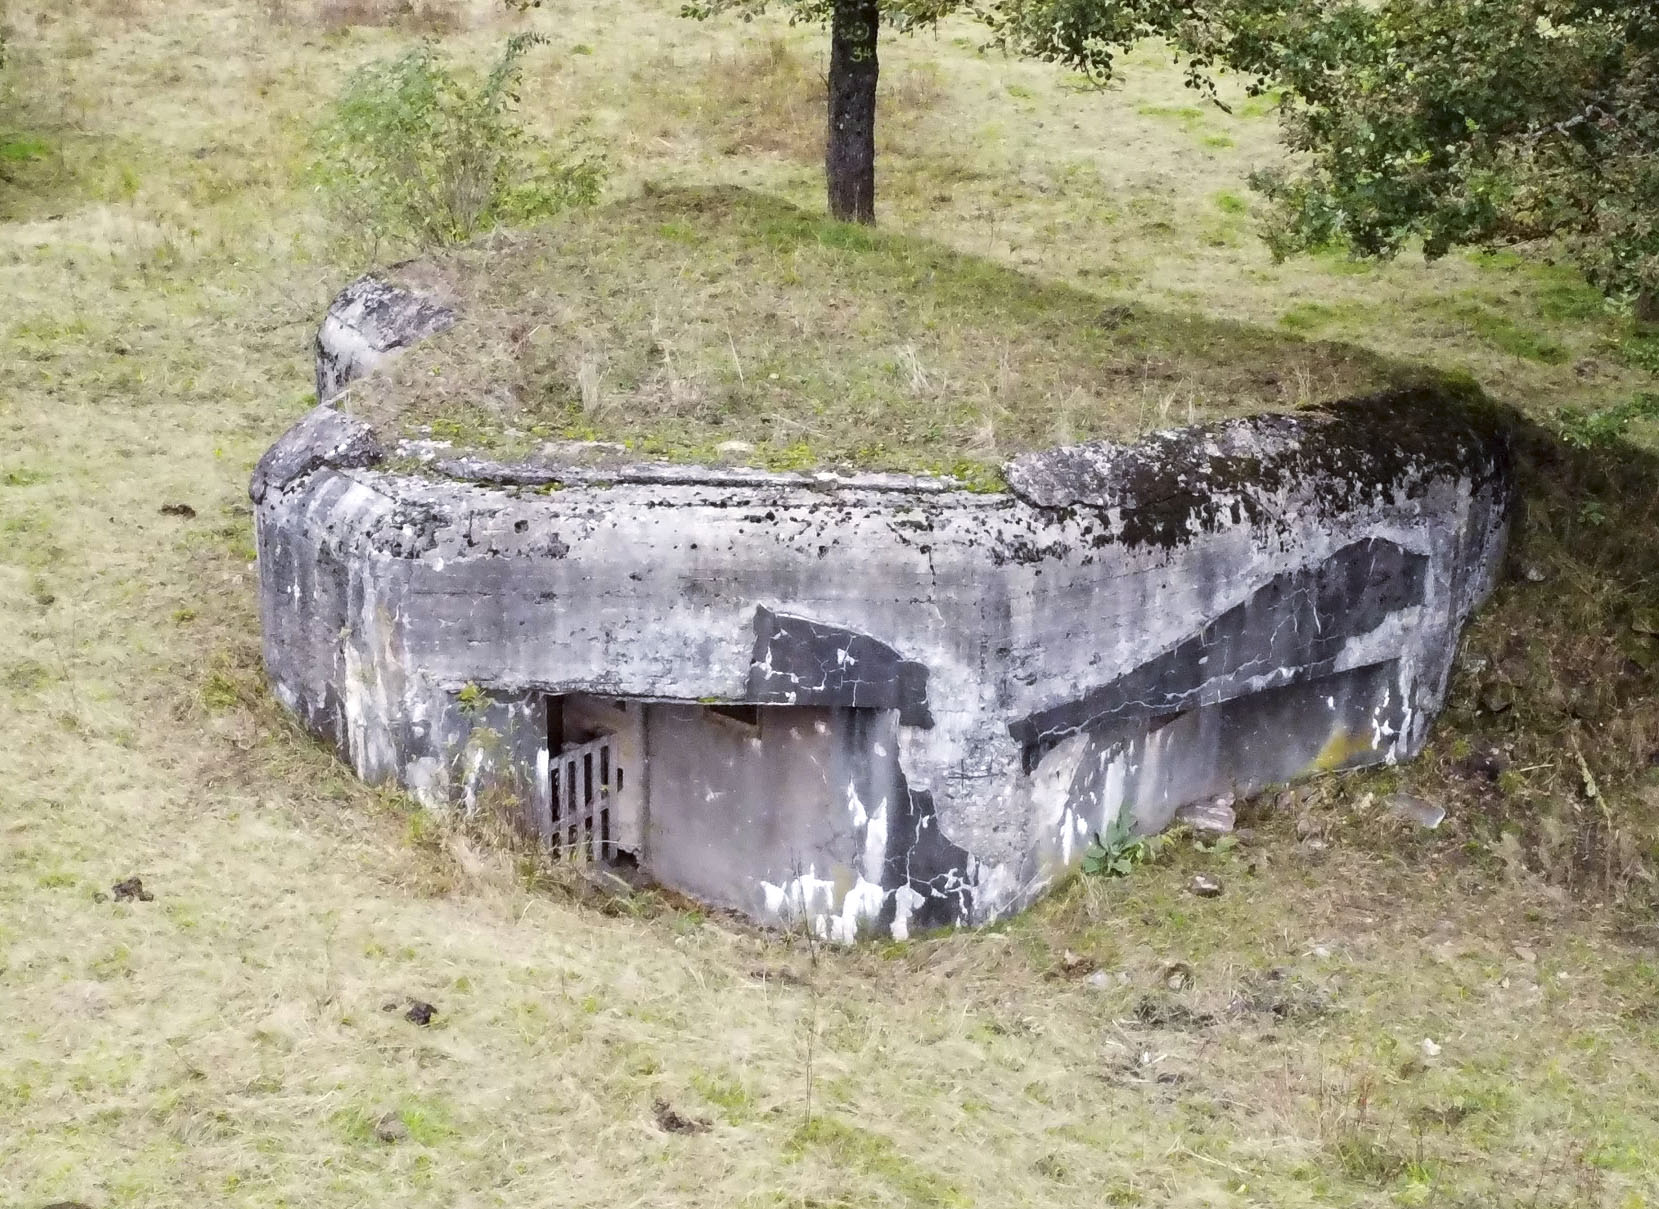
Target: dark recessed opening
(749, 715)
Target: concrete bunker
(880, 702)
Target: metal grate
(584, 778)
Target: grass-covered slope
(686, 319)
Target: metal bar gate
(582, 785)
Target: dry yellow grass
(226, 1043)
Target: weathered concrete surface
(952, 692)
(957, 689)
(367, 322)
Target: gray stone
(368, 322)
(1496, 696)
(1215, 816)
(1414, 809)
(325, 438)
(874, 702)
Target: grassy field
(1370, 1015)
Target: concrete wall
(735, 808)
(1126, 628)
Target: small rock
(390, 1128)
(1525, 954)
(1496, 696)
(1322, 952)
(1100, 980)
(1177, 975)
(1216, 816)
(1424, 813)
(1307, 827)
(1587, 705)
(1074, 965)
(1430, 1049)
(420, 1012)
(673, 1122)
(181, 510)
(734, 448)
(1205, 886)
(1535, 574)
(1162, 1011)
(132, 890)
(1489, 764)
(1285, 800)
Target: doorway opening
(596, 798)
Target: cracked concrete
(952, 691)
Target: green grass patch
(1263, 105)
(1229, 202)
(1309, 316)
(1187, 116)
(860, 1148)
(22, 148)
(1570, 297)
(1502, 332)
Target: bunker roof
(723, 327)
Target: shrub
(414, 153)
(1599, 429)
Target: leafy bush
(1598, 429)
(413, 152)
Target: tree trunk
(1647, 306)
(850, 150)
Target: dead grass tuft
(435, 17)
